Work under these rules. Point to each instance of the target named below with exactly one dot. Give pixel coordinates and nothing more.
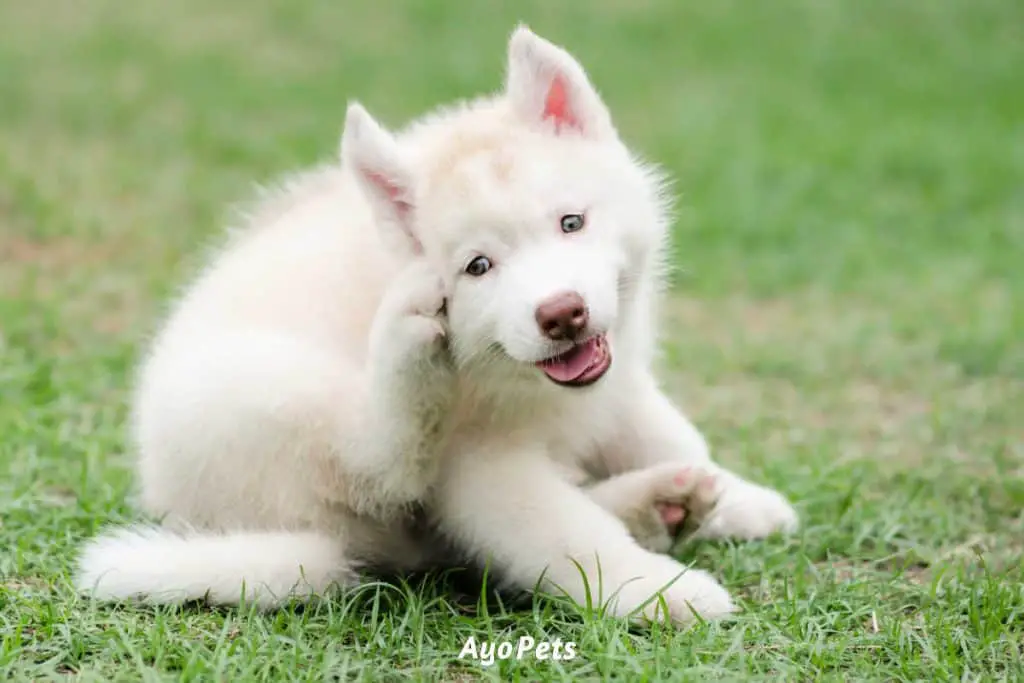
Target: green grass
(848, 323)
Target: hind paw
(658, 502)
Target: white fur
(308, 387)
(170, 568)
(634, 497)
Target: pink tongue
(571, 364)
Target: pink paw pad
(671, 514)
(681, 477)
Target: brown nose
(563, 316)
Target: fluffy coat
(348, 356)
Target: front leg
(655, 431)
(510, 506)
(410, 392)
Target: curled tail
(161, 566)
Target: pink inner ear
(402, 206)
(556, 105)
(393, 191)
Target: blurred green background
(846, 325)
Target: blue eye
(478, 266)
(572, 222)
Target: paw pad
(671, 514)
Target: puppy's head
(546, 229)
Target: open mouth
(581, 365)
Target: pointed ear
(376, 160)
(546, 84)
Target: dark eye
(478, 266)
(572, 222)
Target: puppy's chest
(572, 429)
(579, 454)
(571, 437)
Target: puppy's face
(537, 216)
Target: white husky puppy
(459, 316)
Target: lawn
(847, 320)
